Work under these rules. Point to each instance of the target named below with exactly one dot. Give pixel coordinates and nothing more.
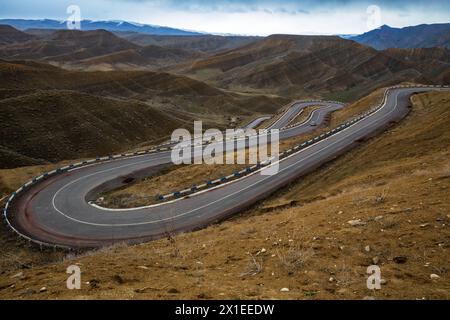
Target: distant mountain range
(385, 37)
(91, 48)
(286, 65)
(115, 26)
(421, 36)
(105, 50)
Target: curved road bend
(56, 211)
(256, 122)
(293, 111)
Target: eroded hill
(95, 49)
(49, 126)
(200, 43)
(302, 65)
(50, 114)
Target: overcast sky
(251, 17)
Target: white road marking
(234, 193)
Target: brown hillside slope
(56, 125)
(39, 103)
(34, 75)
(203, 43)
(148, 57)
(10, 35)
(76, 49)
(397, 184)
(67, 45)
(420, 54)
(182, 93)
(433, 62)
(301, 65)
(266, 48)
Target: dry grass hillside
(67, 45)
(393, 189)
(268, 47)
(55, 125)
(95, 50)
(150, 57)
(50, 114)
(302, 65)
(432, 60)
(203, 43)
(138, 84)
(26, 76)
(10, 35)
(285, 65)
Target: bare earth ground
(394, 186)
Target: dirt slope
(67, 45)
(299, 65)
(50, 114)
(96, 49)
(203, 43)
(55, 125)
(26, 76)
(10, 35)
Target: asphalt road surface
(57, 210)
(292, 112)
(256, 122)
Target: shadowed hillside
(148, 57)
(201, 43)
(81, 49)
(50, 114)
(34, 75)
(433, 62)
(26, 76)
(68, 45)
(54, 125)
(285, 65)
(10, 35)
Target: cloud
(259, 17)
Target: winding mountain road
(57, 210)
(291, 112)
